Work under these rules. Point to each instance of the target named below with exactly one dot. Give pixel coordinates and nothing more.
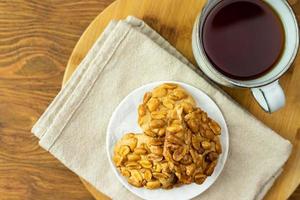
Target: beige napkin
(128, 55)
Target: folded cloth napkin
(128, 55)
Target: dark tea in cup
(247, 44)
(243, 39)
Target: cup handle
(270, 97)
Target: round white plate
(124, 120)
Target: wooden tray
(174, 20)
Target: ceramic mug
(266, 88)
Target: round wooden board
(174, 20)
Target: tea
(243, 39)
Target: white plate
(124, 120)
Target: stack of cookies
(179, 145)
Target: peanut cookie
(159, 104)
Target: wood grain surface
(36, 41)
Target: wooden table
(36, 40)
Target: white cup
(265, 89)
